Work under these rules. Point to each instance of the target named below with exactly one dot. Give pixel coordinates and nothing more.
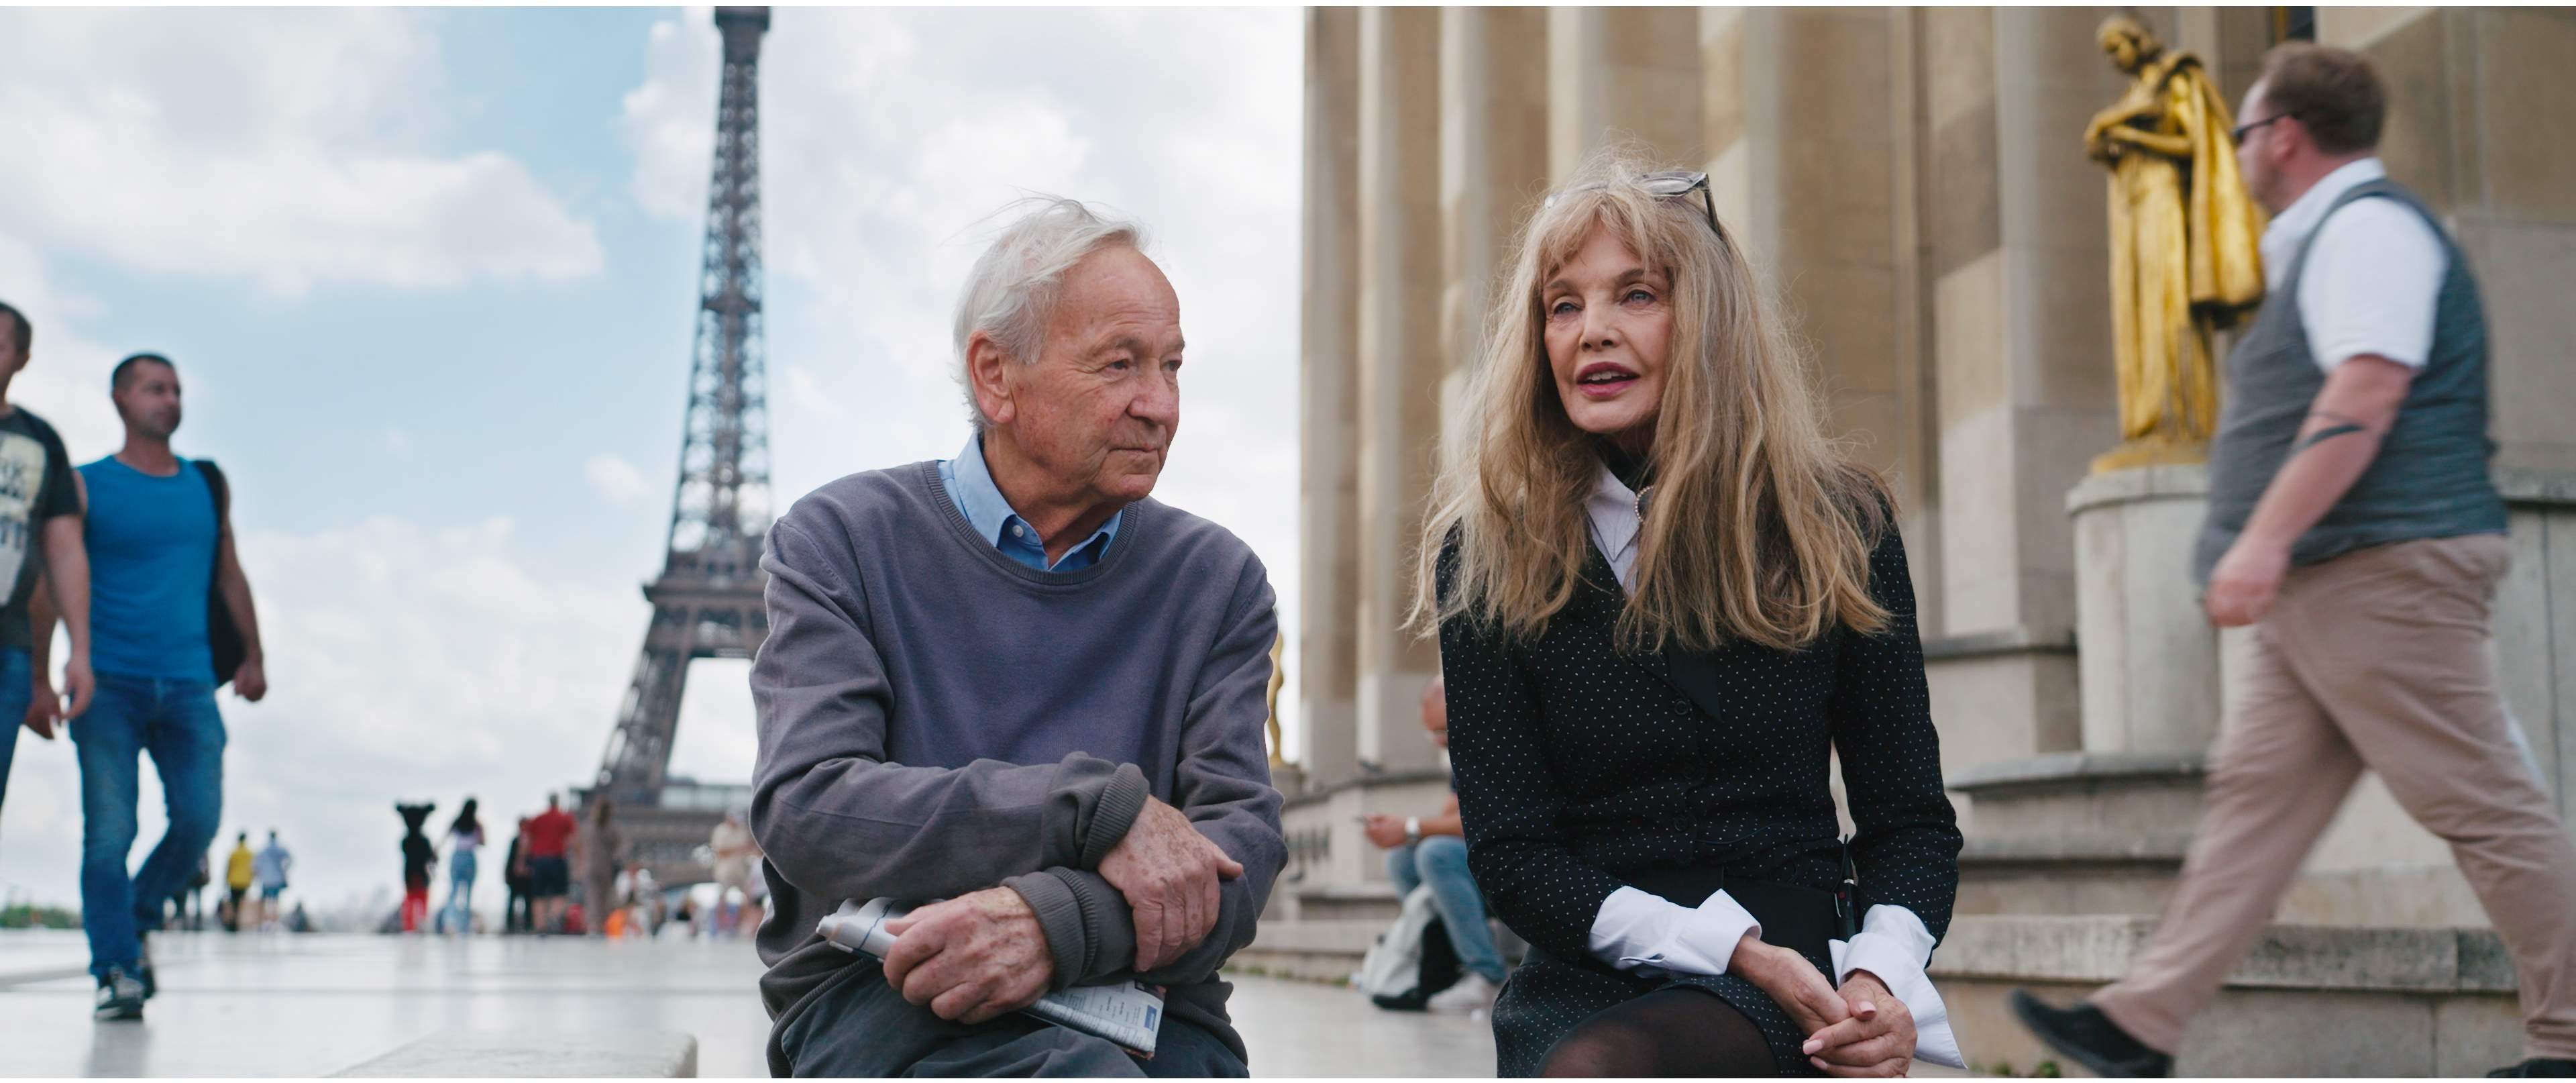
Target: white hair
(1012, 292)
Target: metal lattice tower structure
(707, 600)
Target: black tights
(1669, 1032)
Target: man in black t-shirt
(40, 514)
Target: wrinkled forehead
(1117, 287)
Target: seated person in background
(1433, 850)
(1014, 682)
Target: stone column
(1399, 368)
(2017, 261)
(1617, 74)
(1818, 181)
(1327, 650)
(1493, 170)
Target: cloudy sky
(428, 276)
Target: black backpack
(223, 637)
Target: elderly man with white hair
(1015, 682)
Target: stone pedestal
(2147, 658)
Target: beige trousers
(2374, 659)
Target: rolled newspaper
(1129, 1013)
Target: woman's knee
(1600, 1049)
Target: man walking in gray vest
(2353, 525)
(1014, 681)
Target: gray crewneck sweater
(936, 718)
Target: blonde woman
(1665, 604)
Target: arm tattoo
(2343, 426)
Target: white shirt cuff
(1641, 933)
(1893, 945)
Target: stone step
(1374, 901)
(1308, 949)
(1329, 950)
(2305, 1001)
(2076, 833)
(2088, 796)
(2397, 1001)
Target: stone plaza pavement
(277, 1005)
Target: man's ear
(987, 380)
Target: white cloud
(890, 135)
(404, 662)
(290, 147)
(617, 480)
(808, 395)
(66, 371)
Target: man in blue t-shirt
(159, 542)
(40, 517)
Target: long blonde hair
(1759, 527)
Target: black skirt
(1548, 996)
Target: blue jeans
(1441, 861)
(460, 894)
(17, 690)
(175, 721)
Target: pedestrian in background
(419, 856)
(600, 854)
(171, 621)
(550, 836)
(2354, 527)
(237, 880)
(40, 531)
(516, 914)
(269, 869)
(464, 840)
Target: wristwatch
(1412, 830)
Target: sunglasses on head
(1666, 184)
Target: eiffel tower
(707, 600)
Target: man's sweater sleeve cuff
(1059, 915)
(1119, 806)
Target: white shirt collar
(1613, 510)
(2291, 228)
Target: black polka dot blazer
(1577, 766)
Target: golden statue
(1278, 678)
(2184, 245)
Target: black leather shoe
(2090, 1038)
(2537, 1068)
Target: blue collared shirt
(970, 483)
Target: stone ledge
(2161, 848)
(1330, 937)
(2053, 769)
(478, 1054)
(1364, 891)
(2019, 639)
(2098, 949)
(2179, 481)
(2517, 484)
(2092, 949)
(2532, 485)
(1325, 792)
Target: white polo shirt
(2373, 275)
